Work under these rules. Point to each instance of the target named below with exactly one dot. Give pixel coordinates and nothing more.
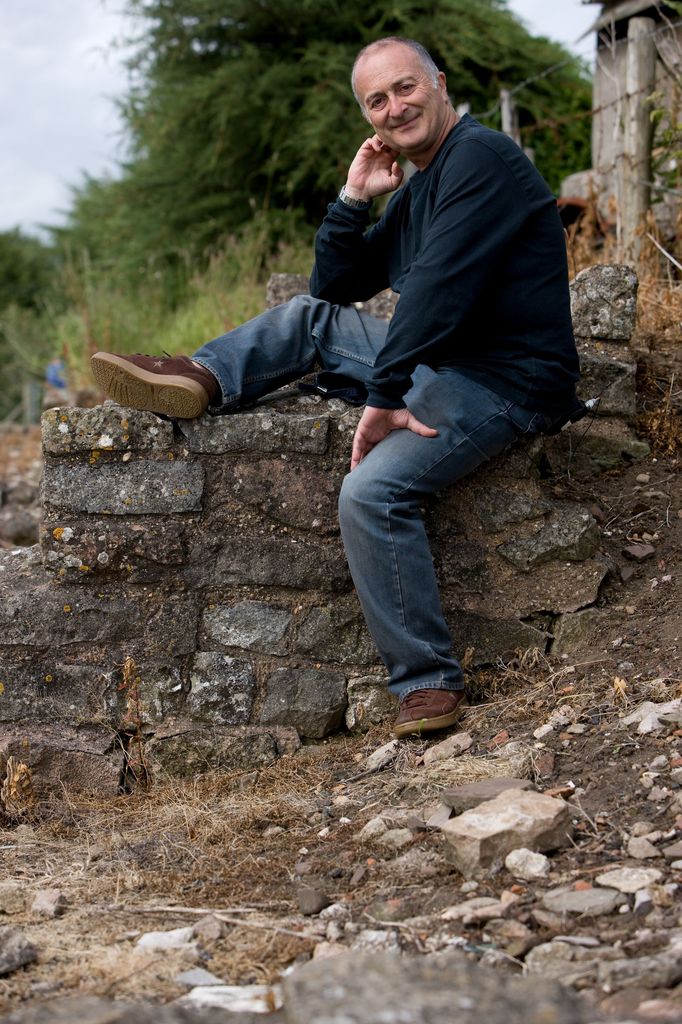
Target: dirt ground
(245, 845)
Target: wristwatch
(356, 204)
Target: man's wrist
(355, 202)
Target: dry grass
(659, 320)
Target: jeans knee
(351, 500)
(360, 500)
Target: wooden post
(510, 116)
(634, 172)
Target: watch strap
(355, 204)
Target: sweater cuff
(378, 400)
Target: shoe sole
(131, 386)
(421, 725)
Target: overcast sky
(59, 76)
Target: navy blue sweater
(476, 250)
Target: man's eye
(377, 103)
(405, 88)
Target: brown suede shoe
(171, 385)
(428, 710)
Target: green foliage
(242, 108)
(26, 269)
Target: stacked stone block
(208, 551)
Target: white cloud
(58, 77)
(57, 83)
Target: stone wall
(208, 551)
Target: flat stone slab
(591, 902)
(154, 487)
(189, 749)
(257, 432)
(107, 427)
(93, 1010)
(376, 988)
(463, 798)
(629, 879)
(65, 757)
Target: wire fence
(607, 44)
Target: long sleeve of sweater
(474, 246)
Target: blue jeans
(379, 505)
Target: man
(479, 351)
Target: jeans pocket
(527, 422)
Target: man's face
(405, 109)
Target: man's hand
(374, 170)
(376, 424)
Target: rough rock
(641, 848)
(65, 757)
(604, 373)
(223, 689)
(567, 961)
(651, 717)
(382, 756)
(275, 560)
(196, 976)
(570, 533)
(123, 489)
(673, 851)
(451, 747)
(251, 625)
(283, 287)
(256, 999)
(478, 840)
(49, 903)
(370, 702)
(595, 447)
(113, 547)
(12, 896)
(604, 302)
(312, 700)
(336, 632)
(180, 939)
(662, 970)
(104, 428)
(592, 902)
(382, 989)
(189, 749)
(463, 798)
(259, 432)
(375, 827)
(15, 950)
(311, 900)
(395, 838)
(629, 879)
(572, 630)
(526, 864)
(92, 1010)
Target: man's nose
(396, 106)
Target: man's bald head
(425, 59)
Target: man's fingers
(376, 424)
(417, 427)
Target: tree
(27, 272)
(27, 268)
(242, 108)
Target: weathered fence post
(634, 164)
(510, 116)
